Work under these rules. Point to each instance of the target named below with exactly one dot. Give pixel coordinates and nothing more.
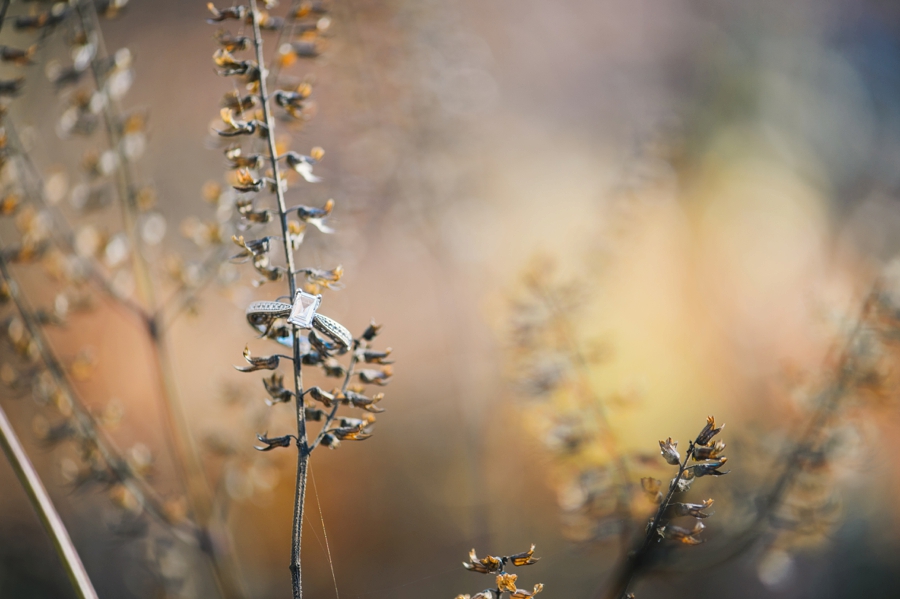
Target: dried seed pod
(238, 13)
(272, 443)
(669, 451)
(258, 363)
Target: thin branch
(43, 505)
(337, 404)
(302, 446)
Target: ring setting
(302, 314)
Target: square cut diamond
(304, 309)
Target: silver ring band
(262, 315)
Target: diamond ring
(262, 316)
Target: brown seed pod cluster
(505, 582)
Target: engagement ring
(262, 315)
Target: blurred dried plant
(506, 582)
(93, 261)
(787, 498)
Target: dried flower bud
(653, 488)
(375, 357)
(483, 566)
(525, 558)
(358, 400)
(231, 42)
(689, 509)
(351, 433)
(710, 468)
(327, 399)
(314, 414)
(523, 594)
(275, 388)
(232, 12)
(272, 443)
(708, 452)
(682, 535)
(376, 377)
(507, 582)
(709, 431)
(260, 363)
(668, 451)
(371, 331)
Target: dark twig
(43, 505)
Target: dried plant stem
(48, 515)
(331, 415)
(82, 419)
(302, 445)
(32, 186)
(178, 435)
(635, 560)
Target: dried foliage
(259, 165)
(505, 582)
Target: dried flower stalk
(506, 582)
(262, 172)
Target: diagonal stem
(43, 505)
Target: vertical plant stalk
(303, 449)
(178, 434)
(47, 513)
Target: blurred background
(714, 181)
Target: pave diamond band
(262, 316)
(334, 330)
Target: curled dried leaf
(273, 442)
(258, 363)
